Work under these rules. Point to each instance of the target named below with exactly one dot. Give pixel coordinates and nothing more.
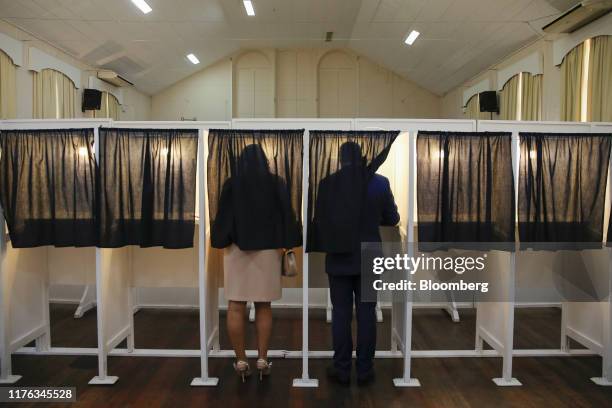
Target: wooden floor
(449, 382)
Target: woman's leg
(236, 312)
(263, 324)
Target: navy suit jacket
(379, 210)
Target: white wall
(288, 83)
(551, 103)
(205, 95)
(137, 104)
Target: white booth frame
(501, 339)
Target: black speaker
(488, 101)
(92, 99)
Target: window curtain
(599, 108)
(147, 187)
(531, 97)
(571, 82)
(465, 187)
(508, 99)
(109, 107)
(54, 95)
(47, 187)
(255, 188)
(8, 87)
(342, 163)
(562, 188)
(472, 108)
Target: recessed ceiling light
(248, 6)
(412, 37)
(193, 59)
(142, 5)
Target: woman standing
(254, 222)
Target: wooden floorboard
(448, 382)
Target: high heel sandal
(264, 368)
(242, 369)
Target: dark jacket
(379, 210)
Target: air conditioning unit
(578, 16)
(113, 78)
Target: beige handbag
(289, 263)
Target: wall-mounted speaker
(92, 99)
(488, 101)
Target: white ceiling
(459, 38)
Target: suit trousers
(343, 290)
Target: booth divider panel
(25, 283)
(115, 281)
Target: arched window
(8, 87)
(599, 92)
(109, 107)
(472, 109)
(586, 81)
(521, 97)
(54, 95)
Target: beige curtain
(109, 108)
(571, 80)
(508, 99)
(599, 103)
(531, 97)
(8, 87)
(54, 95)
(472, 108)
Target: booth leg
(86, 303)
(451, 309)
(328, 309)
(251, 312)
(5, 370)
(606, 361)
(103, 378)
(379, 315)
(203, 380)
(305, 380)
(406, 380)
(507, 380)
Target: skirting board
(11, 379)
(204, 382)
(108, 380)
(411, 382)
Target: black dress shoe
(338, 377)
(363, 380)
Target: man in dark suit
(378, 208)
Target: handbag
(289, 263)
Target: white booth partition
(26, 273)
(122, 270)
(308, 125)
(400, 168)
(591, 323)
(583, 322)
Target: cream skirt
(252, 275)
